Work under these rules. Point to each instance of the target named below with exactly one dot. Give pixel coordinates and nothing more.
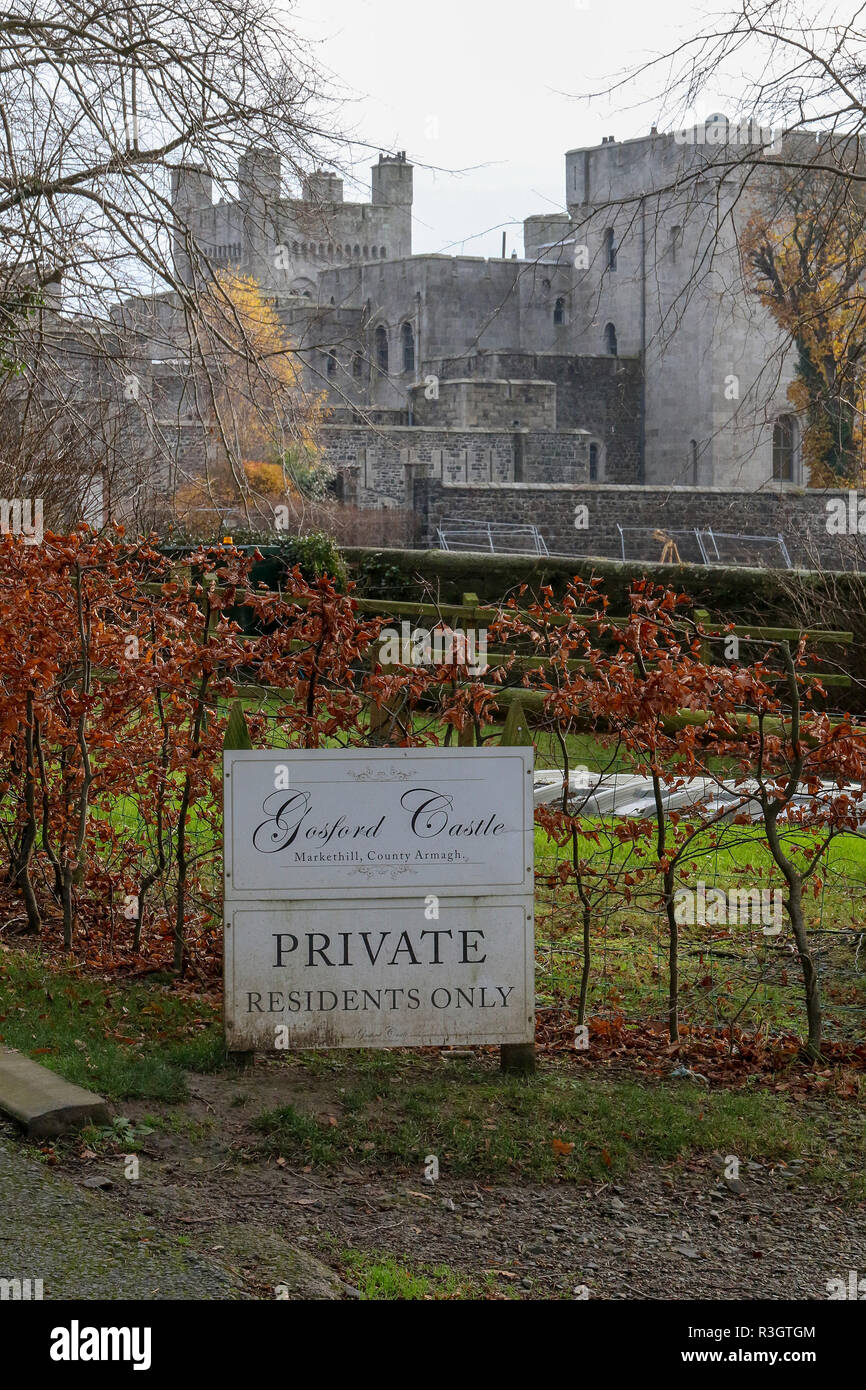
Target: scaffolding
(702, 545)
(497, 537)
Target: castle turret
(259, 196)
(392, 181)
(259, 177)
(322, 187)
(392, 189)
(191, 194)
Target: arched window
(610, 345)
(610, 249)
(382, 350)
(559, 312)
(785, 449)
(407, 340)
(593, 463)
(332, 363)
(357, 364)
(381, 253)
(357, 251)
(375, 253)
(366, 252)
(693, 461)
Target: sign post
(379, 897)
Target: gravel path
(82, 1245)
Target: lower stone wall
(380, 465)
(581, 520)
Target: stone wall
(598, 394)
(555, 508)
(487, 402)
(381, 465)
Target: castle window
(545, 284)
(357, 250)
(559, 312)
(322, 249)
(357, 364)
(407, 339)
(366, 253)
(375, 253)
(593, 463)
(332, 363)
(381, 253)
(382, 350)
(294, 248)
(785, 449)
(693, 460)
(610, 343)
(610, 249)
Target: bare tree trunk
(28, 840)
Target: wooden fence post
(466, 737)
(702, 616)
(517, 1059)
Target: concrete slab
(43, 1103)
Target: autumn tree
(805, 257)
(262, 422)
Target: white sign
(378, 897)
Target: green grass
(398, 1110)
(378, 1277)
(729, 972)
(123, 1039)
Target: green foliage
(315, 554)
(312, 479)
(376, 575)
(16, 308)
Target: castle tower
(259, 196)
(191, 196)
(392, 188)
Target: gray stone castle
(623, 351)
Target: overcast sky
(493, 89)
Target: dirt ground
(676, 1232)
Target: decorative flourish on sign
(385, 870)
(381, 774)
